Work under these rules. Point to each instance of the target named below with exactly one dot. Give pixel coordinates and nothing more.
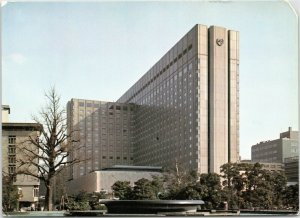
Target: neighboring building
(291, 167)
(104, 133)
(186, 110)
(275, 151)
(5, 113)
(267, 166)
(102, 180)
(14, 136)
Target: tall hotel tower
(188, 103)
(185, 110)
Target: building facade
(185, 110)
(279, 167)
(14, 136)
(291, 168)
(104, 132)
(5, 113)
(275, 151)
(188, 105)
(102, 180)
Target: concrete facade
(185, 110)
(188, 106)
(102, 180)
(291, 168)
(275, 151)
(5, 113)
(104, 133)
(14, 136)
(267, 166)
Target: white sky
(98, 50)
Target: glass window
(12, 139)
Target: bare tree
(46, 154)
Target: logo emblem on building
(219, 42)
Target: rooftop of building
(6, 107)
(133, 168)
(290, 134)
(22, 126)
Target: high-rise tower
(188, 105)
(185, 110)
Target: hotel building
(188, 104)
(104, 131)
(185, 109)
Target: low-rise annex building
(102, 180)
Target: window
(11, 169)
(103, 157)
(12, 139)
(11, 159)
(11, 149)
(36, 192)
(111, 157)
(81, 104)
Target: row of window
(161, 72)
(116, 107)
(118, 158)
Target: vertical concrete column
(233, 73)
(202, 99)
(218, 98)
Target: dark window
(12, 139)
(103, 157)
(118, 107)
(125, 108)
(111, 157)
(11, 149)
(118, 158)
(125, 158)
(11, 169)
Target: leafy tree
(209, 188)
(143, 190)
(233, 183)
(9, 193)
(122, 190)
(291, 197)
(49, 151)
(188, 192)
(157, 184)
(81, 201)
(279, 182)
